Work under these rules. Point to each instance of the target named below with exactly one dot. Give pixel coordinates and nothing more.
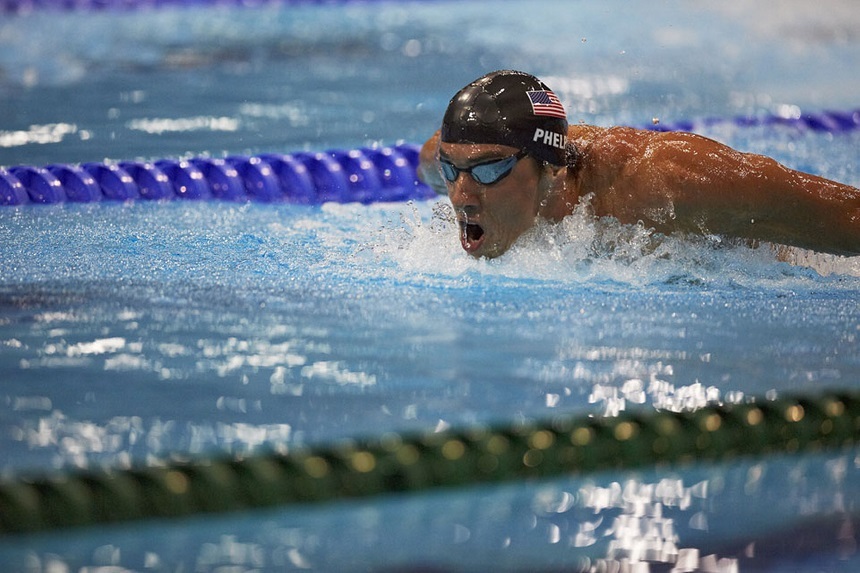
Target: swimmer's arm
(428, 165)
(719, 190)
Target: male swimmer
(505, 156)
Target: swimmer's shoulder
(577, 131)
(589, 135)
(607, 147)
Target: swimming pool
(147, 332)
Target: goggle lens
(486, 173)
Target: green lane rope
(409, 463)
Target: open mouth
(471, 235)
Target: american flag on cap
(544, 102)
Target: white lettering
(550, 138)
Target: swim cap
(508, 108)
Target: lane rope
(365, 175)
(398, 463)
(829, 121)
(28, 6)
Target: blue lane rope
(829, 121)
(364, 175)
(26, 6)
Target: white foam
(584, 250)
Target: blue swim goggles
(486, 173)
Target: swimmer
(505, 156)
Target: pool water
(143, 332)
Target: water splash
(583, 250)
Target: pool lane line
(364, 175)
(827, 121)
(28, 6)
(411, 463)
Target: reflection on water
(641, 533)
(662, 394)
(120, 441)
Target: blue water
(134, 333)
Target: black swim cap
(509, 108)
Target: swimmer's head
(509, 108)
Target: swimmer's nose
(465, 195)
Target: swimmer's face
(491, 217)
